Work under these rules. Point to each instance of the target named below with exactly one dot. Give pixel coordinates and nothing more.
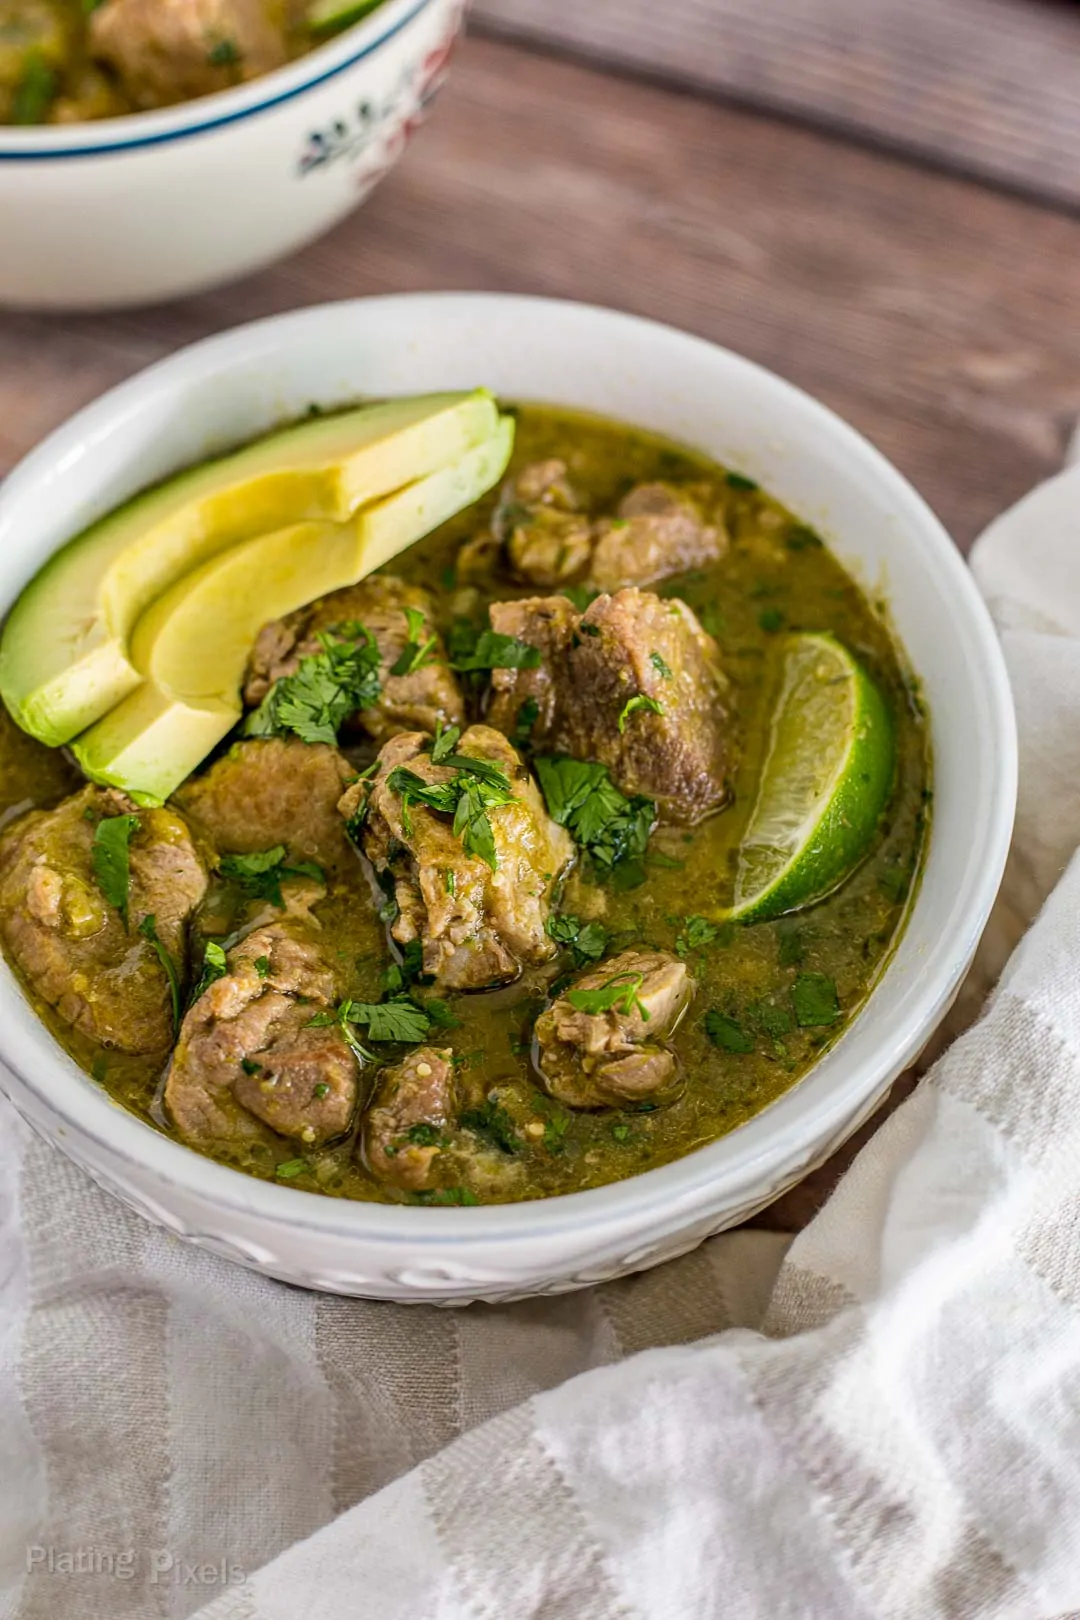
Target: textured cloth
(889, 1429)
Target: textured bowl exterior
(160, 205)
(234, 386)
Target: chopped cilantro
(527, 716)
(261, 872)
(398, 1019)
(619, 994)
(424, 1134)
(111, 861)
(148, 930)
(581, 596)
(588, 941)
(492, 1122)
(739, 481)
(324, 691)
(446, 740)
(696, 933)
(214, 967)
(641, 702)
(621, 1133)
(224, 53)
(35, 91)
(477, 787)
(771, 619)
(589, 629)
(262, 966)
(814, 997)
(775, 1021)
(450, 880)
(582, 798)
(416, 652)
(441, 1013)
(727, 1033)
(447, 1195)
(321, 1090)
(661, 665)
(249, 1066)
(790, 949)
(800, 538)
(290, 1169)
(491, 650)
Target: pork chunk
(249, 1060)
(540, 522)
(634, 682)
(477, 926)
(165, 51)
(404, 1129)
(273, 790)
(598, 1059)
(73, 946)
(659, 531)
(416, 700)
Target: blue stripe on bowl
(47, 154)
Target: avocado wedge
(192, 645)
(64, 656)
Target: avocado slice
(192, 645)
(64, 652)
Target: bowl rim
(738, 1159)
(203, 115)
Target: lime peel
(827, 777)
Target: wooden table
(936, 314)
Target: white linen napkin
(887, 1430)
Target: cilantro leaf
(215, 966)
(493, 1122)
(641, 702)
(446, 1195)
(727, 1033)
(446, 740)
(582, 798)
(326, 688)
(739, 481)
(493, 650)
(696, 933)
(290, 1169)
(416, 653)
(35, 91)
(527, 716)
(148, 930)
(110, 857)
(619, 994)
(477, 786)
(816, 1003)
(771, 619)
(396, 1020)
(588, 941)
(261, 872)
(662, 667)
(224, 53)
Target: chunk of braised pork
(634, 682)
(424, 695)
(413, 1108)
(270, 791)
(659, 531)
(479, 924)
(76, 948)
(540, 523)
(601, 1043)
(249, 1058)
(165, 51)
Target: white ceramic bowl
(158, 205)
(237, 385)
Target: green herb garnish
(148, 930)
(326, 688)
(35, 92)
(446, 740)
(771, 619)
(492, 650)
(641, 702)
(740, 481)
(215, 966)
(262, 966)
(261, 872)
(727, 1033)
(619, 994)
(661, 665)
(477, 787)
(588, 941)
(527, 716)
(224, 53)
(492, 1122)
(396, 1020)
(696, 933)
(291, 1168)
(816, 1003)
(583, 799)
(416, 652)
(111, 859)
(249, 1066)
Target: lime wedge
(827, 777)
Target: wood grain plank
(937, 316)
(991, 87)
